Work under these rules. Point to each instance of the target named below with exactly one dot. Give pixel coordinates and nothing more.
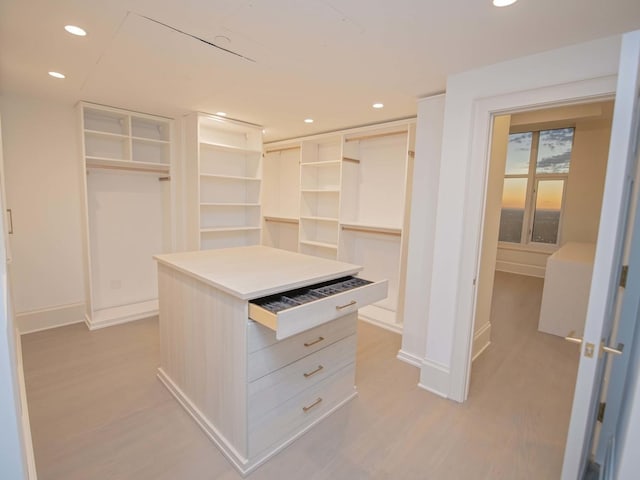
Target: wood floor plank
(98, 411)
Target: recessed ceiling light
(56, 74)
(308, 120)
(378, 105)
(73, 30)
(503, 3)
(221, 114)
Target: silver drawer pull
(340, 307)
(307, 375)
(314, 404)
(314, 342)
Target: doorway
(543, 200)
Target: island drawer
(302, 411)
(295, 311)
(276, 388)
(284, 352)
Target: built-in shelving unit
(353, 202)
(224, 168)
(320, 179)
(124, 155)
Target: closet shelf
(112, 164)
(151, 140)
(222, 204)
(365, 228)
(327, 163)
(282, 149)
(320, 219)
(98, 133)
(332, 246)
(320, 190)
(227, 229)
(228, 148)
(229, 177)
(268, 218)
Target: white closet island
(255, 386)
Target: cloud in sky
(558, 163)
(554, 153)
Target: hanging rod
(376, 135)
(282, 149)
(395, 232)
(348, 159)
(293, 221)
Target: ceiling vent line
(197, 38)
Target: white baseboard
(108, 317)
(52, 317)
(26, 425)
(409, 358)
(481, 341)
(520, 268)
(434, 377)
(240, 462)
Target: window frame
(533, 179)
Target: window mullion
(527, 223)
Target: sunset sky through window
(554, 155)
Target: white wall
(461, 185)
(585, 187)
(42, 156)
(424, 197)
(492, 209)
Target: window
(535, 180)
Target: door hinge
(623, 275)
(601, 409)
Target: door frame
(584, 91)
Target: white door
(624, 335)
(614, 225)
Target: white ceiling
(325, 59)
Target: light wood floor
(98, 411)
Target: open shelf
(331, 246)
(271, 218)
(230, 177)
(326, 163)
(108, 163)
(320, 219)
(150, 140)
(321, 190)
(229, 216)
(105, 134)
(105, 120)
(225, 166)
(229, 204)
(227, 229)
(229, 148)
(151, 130)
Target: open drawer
(295, 311)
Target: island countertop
(256, 271)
